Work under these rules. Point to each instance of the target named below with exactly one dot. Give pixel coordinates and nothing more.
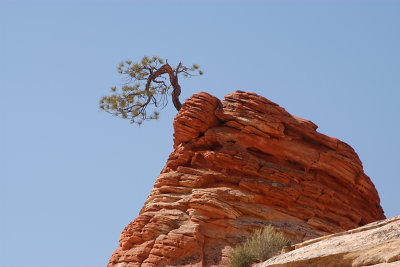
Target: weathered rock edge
(376, 244)
(239, 165)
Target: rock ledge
(376, 244)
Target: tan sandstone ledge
(376, 244)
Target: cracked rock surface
(376, 244)
(239, 165)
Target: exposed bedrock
(239, 165)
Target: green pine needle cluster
(133, 100)
(262, 245)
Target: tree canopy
(146, 87)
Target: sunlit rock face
(376, 244)
(239, 165)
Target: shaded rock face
(376, 244)
(239, 165)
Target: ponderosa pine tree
(146, 87)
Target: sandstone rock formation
(238, 165)
(376, 244)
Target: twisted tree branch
(173, 78)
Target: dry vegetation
(262, 245)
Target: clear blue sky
(71, 177)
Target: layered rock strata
(238, 165)
(375, 244)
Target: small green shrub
(241, 257)
(262, 245)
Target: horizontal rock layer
(376, 244)
(237, 166)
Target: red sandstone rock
(237, 166)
